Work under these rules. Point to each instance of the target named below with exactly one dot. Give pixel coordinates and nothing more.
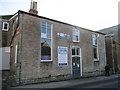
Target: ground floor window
(95, 52)
(46, 41)
(45, 49)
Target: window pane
(75, 38)
(78, 51)
(95, 53)
(5, 25)
(48, 33)
(43, 30)
(45, 49)
(94, 39)
(75, 35)
(48, 26)
(73, 51)
(46, 42)
(94, 46)
(43, 24)
(73, 32)
(76, 32)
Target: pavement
(72, 82)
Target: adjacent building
(4, 26)
(43, 49)
(113, 47)
(4, 48)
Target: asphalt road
(110, 83)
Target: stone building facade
(44, 49)
(4, 47)
(113, 47)
(4, 26)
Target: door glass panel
(76, 66)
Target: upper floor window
(94, 39)
(5, 26)
(95, 45)
(46, 30)
(75, 33)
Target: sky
(90, 14)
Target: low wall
(0, 80)
(9, 78)
(93, 73)
(46, 79)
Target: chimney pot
(33, 7)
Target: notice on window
(62, 56)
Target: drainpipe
(113, 55)
(20, 48)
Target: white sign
(62, 56)
(63, 35)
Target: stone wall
(9, 79)
(118, 45)
(3, 35)
(0, 54)
(4, 39)
(31, 49)
(115, 30)
(0, 33)
(29, 68)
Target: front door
(76, 66)
(76, 61)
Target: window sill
(5, 30)
(96, 60)
(46, 61)
(76, 41)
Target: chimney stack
(33, 7)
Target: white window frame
(96, 59)
(74, 35)
(16, 53)
(3, 26)
(76, 50)
(47, 38)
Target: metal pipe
(112, 55)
